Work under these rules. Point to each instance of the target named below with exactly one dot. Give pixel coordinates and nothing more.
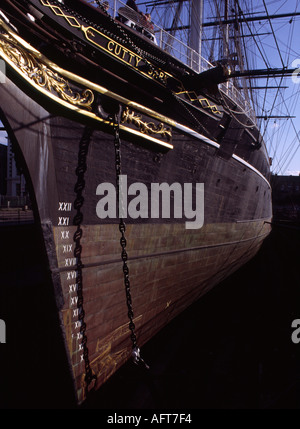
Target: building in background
(286, 198)
(13, 189)
(3, 169)
(16, 185)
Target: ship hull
(170, 265)
(88, 127)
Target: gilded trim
(82, 81)
(45, 77)
(42, 76)
(204, 102)
(71, 20)
(111, 47)
(149, 128)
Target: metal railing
(16, 216)
(7, 201)
(236, 96)
(162, 38)
(178, 49)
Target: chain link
(122, 228)
(77, 221)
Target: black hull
(67, 150)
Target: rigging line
(283, 164)
(262, 45)
(210, 55)
(262, 56)
(290, 21)
(291, 147)
(217, 11)
(224, 47)
(291, 32)
(187, 31)
(281, 141)
(284, 161)
(293, 125)
(287, 161)
(280, 157)
(275, 39)
(281, 6)
(254, 62)
(267, 45)
(276, 145)
(297, 53)
(254, 18)
(285, 152)
(198, 20)
(209, 47)
(275, 1)
(290, 97)
(277, 92)
(292, 156)
(173, 12)
(247, 60)
(233, 113)
(264, 102)
(288, 154)
(293, 17)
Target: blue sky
(281, 135)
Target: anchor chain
(122, 228)
(77, 221)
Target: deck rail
(177, 48)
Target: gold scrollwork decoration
(43, 76)
(149, 128)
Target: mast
(226, 38)
(195, 39)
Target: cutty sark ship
(95, 96)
